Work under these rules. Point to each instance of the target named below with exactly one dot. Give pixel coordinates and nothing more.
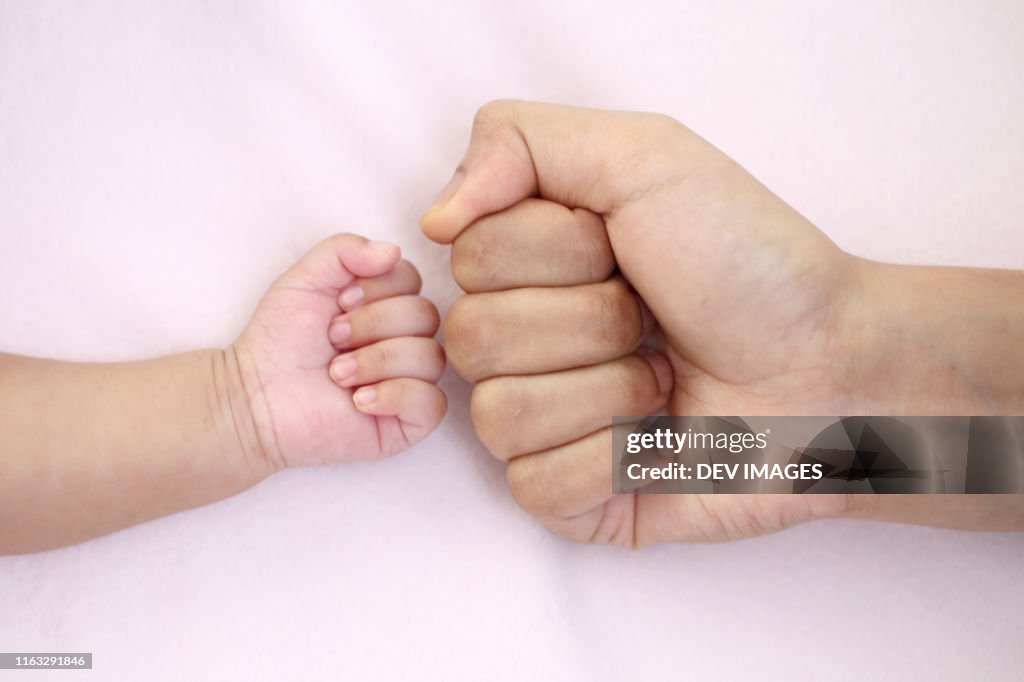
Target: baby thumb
(338, 260)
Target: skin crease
(758, 313)
(91, 448)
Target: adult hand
(758, 311)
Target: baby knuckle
(398, 391)
(427, 311)
(408, 272)
(370, 320)
(380, 356)
(341, 240)
(435, 356)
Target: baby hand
(338, 362)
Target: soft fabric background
(160, 163)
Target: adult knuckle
(634, 382)
(494, 410)
(656, 130)
(593, 251)
(494, 124)
(474, 260)
(466, 336)
(658, 141)
(665, 123)
(494, 111)
(619, 325)
(532, 487)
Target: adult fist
(753, 303)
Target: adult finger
(533, 244)
(567, 327)
(514, 415)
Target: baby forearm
(86, 449)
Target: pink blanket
(160, 163)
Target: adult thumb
(580, 158)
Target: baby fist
(338, 362)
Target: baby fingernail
(351, 296)
(365, 396)
(343, 367)
(339, 332)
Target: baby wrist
(238, 415)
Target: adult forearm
(86, 449)
(938, 341)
